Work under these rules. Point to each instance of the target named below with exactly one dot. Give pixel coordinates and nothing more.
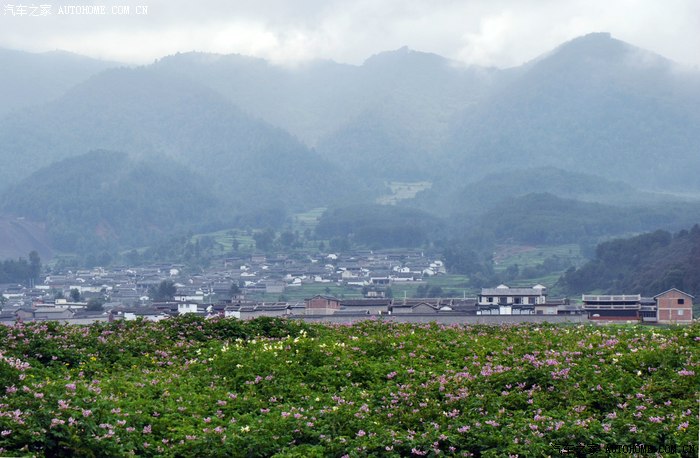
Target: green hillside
(647, 264)
(104, 200)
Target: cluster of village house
(209, 294)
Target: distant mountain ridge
(104, 199)
(594, 119)
(647, 264)
(594, 105)
(143, 113)
(493, 189)
(31, 79)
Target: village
(256, 285)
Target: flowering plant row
(272, 387)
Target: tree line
(22, 271)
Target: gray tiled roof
(512, 292)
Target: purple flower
(56, 421)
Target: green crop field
(190, 387)
(307, 220)
(528, 256)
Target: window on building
(680, 312)
(518, 300)
(490, 299)
(681, 301)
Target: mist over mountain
(142, 113)
(398, 105)
(495, 188)
(543, 218)
(103, 199)
(595, 120)
(30, 79)
(595, 105)
(309, 101)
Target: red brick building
(674, 306)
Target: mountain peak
(404, 55)
(595, 36)
(601, 43)
(597, 50)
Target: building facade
(503, 300)
(674, 307)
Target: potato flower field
(271, 387)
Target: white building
(503, 300)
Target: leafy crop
(272, 387)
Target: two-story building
(674, 307)
(612, 307)
(503, 300)
(670, 307)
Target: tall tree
(164, 292)
(34, 267)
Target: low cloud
(498, 33)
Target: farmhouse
(670, 307)
(674, 307)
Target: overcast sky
(498, 33)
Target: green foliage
(264, 239)
(482, 195)
(74, 295)
(95, 304)
(544, 219)
(109, 200)
(21, 271)
(460, 257)
(549, 265)
(165, 291)
(235, 289)
(648, 264)
(272, 387)
(379, 226)
(429, 291)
